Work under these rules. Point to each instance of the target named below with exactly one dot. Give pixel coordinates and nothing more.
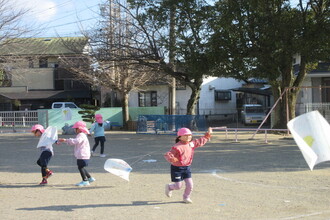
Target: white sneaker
(187, 200)
(91, 179)
(168, 192)
(102, 155)
(83, 183)
(92, 153)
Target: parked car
(252, 114)
(56, 105)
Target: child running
(98, 129)
(46, 154)
(81, 151)
(180, 156)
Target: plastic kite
(49, 137)
(118, 167)
(66, 114)
(312, 134)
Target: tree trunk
(286, 107)
(194, 97)
(279, 115)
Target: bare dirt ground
(247, 179)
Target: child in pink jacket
(82, 151)
(180, 156)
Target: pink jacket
(182, 154)
(82, 148)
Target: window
(147, 99)
(70, 105)
(43, 63)
(30, 63)
(222, 95)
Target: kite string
(140, 157)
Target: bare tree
(175, 33)
(11, 21)
(12, 28)
(113, 56)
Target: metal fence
(323, 108)
(170, 123)
(12, 121)
(17, 120)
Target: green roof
(43, 46)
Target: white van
(56, 105)
(252, 114)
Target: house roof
(43, 46)
(322, 69)
(257, 91)
(256, 81)
(46, 95)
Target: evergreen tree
(259, 38)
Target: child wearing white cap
(81, 151)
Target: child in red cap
(180, 156)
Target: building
(32, 75)
(216, 97)
(315, 91)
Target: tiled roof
(257, 91)
(256, 81)
(46, 94)
(43, 46)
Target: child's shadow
(60, 186)
(20, 185)
(70, 208)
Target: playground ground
(244, 179)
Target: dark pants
(43, 161)
(81, 167)
(180, 173)
(98, 140)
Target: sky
(51, 18)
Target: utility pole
(172, 53)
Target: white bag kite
(48, 138)
(66, 114)
(118, 167)
(312, 134)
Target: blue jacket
(98, 130)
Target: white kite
(312, 134)
(118, 167)
(66, 114)
(48, 138)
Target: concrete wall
(33, 78)
(55, 117)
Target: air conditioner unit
(211, 87)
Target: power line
(75, 11)
(76, 22)
(46, 10)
